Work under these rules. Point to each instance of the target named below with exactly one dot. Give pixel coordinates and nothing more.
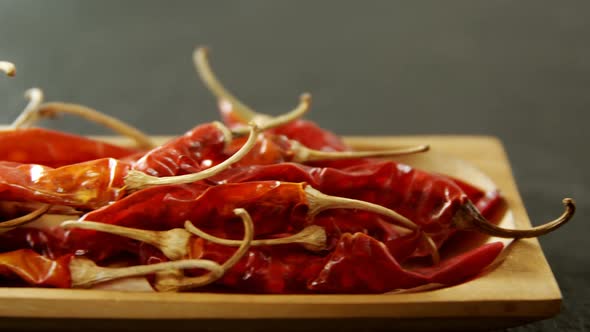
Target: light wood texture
(521, 288)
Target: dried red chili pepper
(86, 185)
(53, 148)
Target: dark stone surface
(516, 70)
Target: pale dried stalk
(85, 273)
(244, 112)
(304, 154)
(142, 140)
(177, 282)
(30, 114)
(312, 238)
(173, 243)
(318, 202)
(267, 122)
(7, 68)
(22, 220)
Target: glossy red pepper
(199, 148)
(85, 185)
(35, 269)
(54, 148)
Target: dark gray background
(519, 70)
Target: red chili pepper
(95, 183)
(199, 148)
(86, 185)
(35, 269)
(54, 148)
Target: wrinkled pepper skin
(54, 148)
(199, 148)
(34, 269)
(86, 185)
(357, 264)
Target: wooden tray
(520, 289)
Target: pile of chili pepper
(256, 204)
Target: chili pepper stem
(227, 134)
(468, 218)
(433, 249)
(177, 282)
(8, 68)
(303, 154)
(312, 238)
(22, 220)
(319, 202)
(242, 111)
(30, 113)
(201, 61)
(135, 180)
(50, 109)
(84, 273)
(173, 243)
(267, 122)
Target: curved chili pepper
(53, 148)
(92, 184)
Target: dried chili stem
(22, 220)
(173, 243)
(432, 247)
(30, 114)
(85, 273)
(304, 154)
(312, 238)
(175, 282)
(245, 113)
(468, 218)
(266, 122)
(8, 68)
(201, 61)
(319, 202)
(50, 109)
(135, 180)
